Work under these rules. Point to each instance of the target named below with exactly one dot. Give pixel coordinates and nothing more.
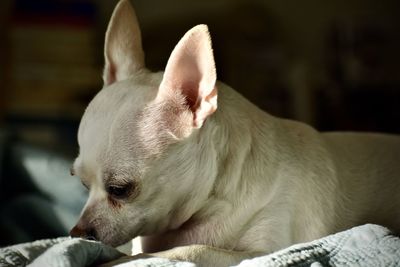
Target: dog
(203, 175)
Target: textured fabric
(368, 245)
(62, 252)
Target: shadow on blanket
(38, 197)
(366, 245)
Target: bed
(366, 245)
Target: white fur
(217, 187)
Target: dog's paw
(198, 254)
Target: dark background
(334, 64)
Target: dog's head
(135, 156)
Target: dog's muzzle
(89, 234)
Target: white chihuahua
(216, 186)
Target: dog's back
(368, 169)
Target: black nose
(89, 233)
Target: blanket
(366, 245)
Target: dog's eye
(119, 191)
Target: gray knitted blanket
(367, 245)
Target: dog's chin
(117, 240)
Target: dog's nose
(89, 234)
(77, 232)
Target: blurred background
(334, 64)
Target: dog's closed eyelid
(112, 178)
(109, 177)
(122, 189)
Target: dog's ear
(190, 71)
(123, 46)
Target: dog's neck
(228, 149)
